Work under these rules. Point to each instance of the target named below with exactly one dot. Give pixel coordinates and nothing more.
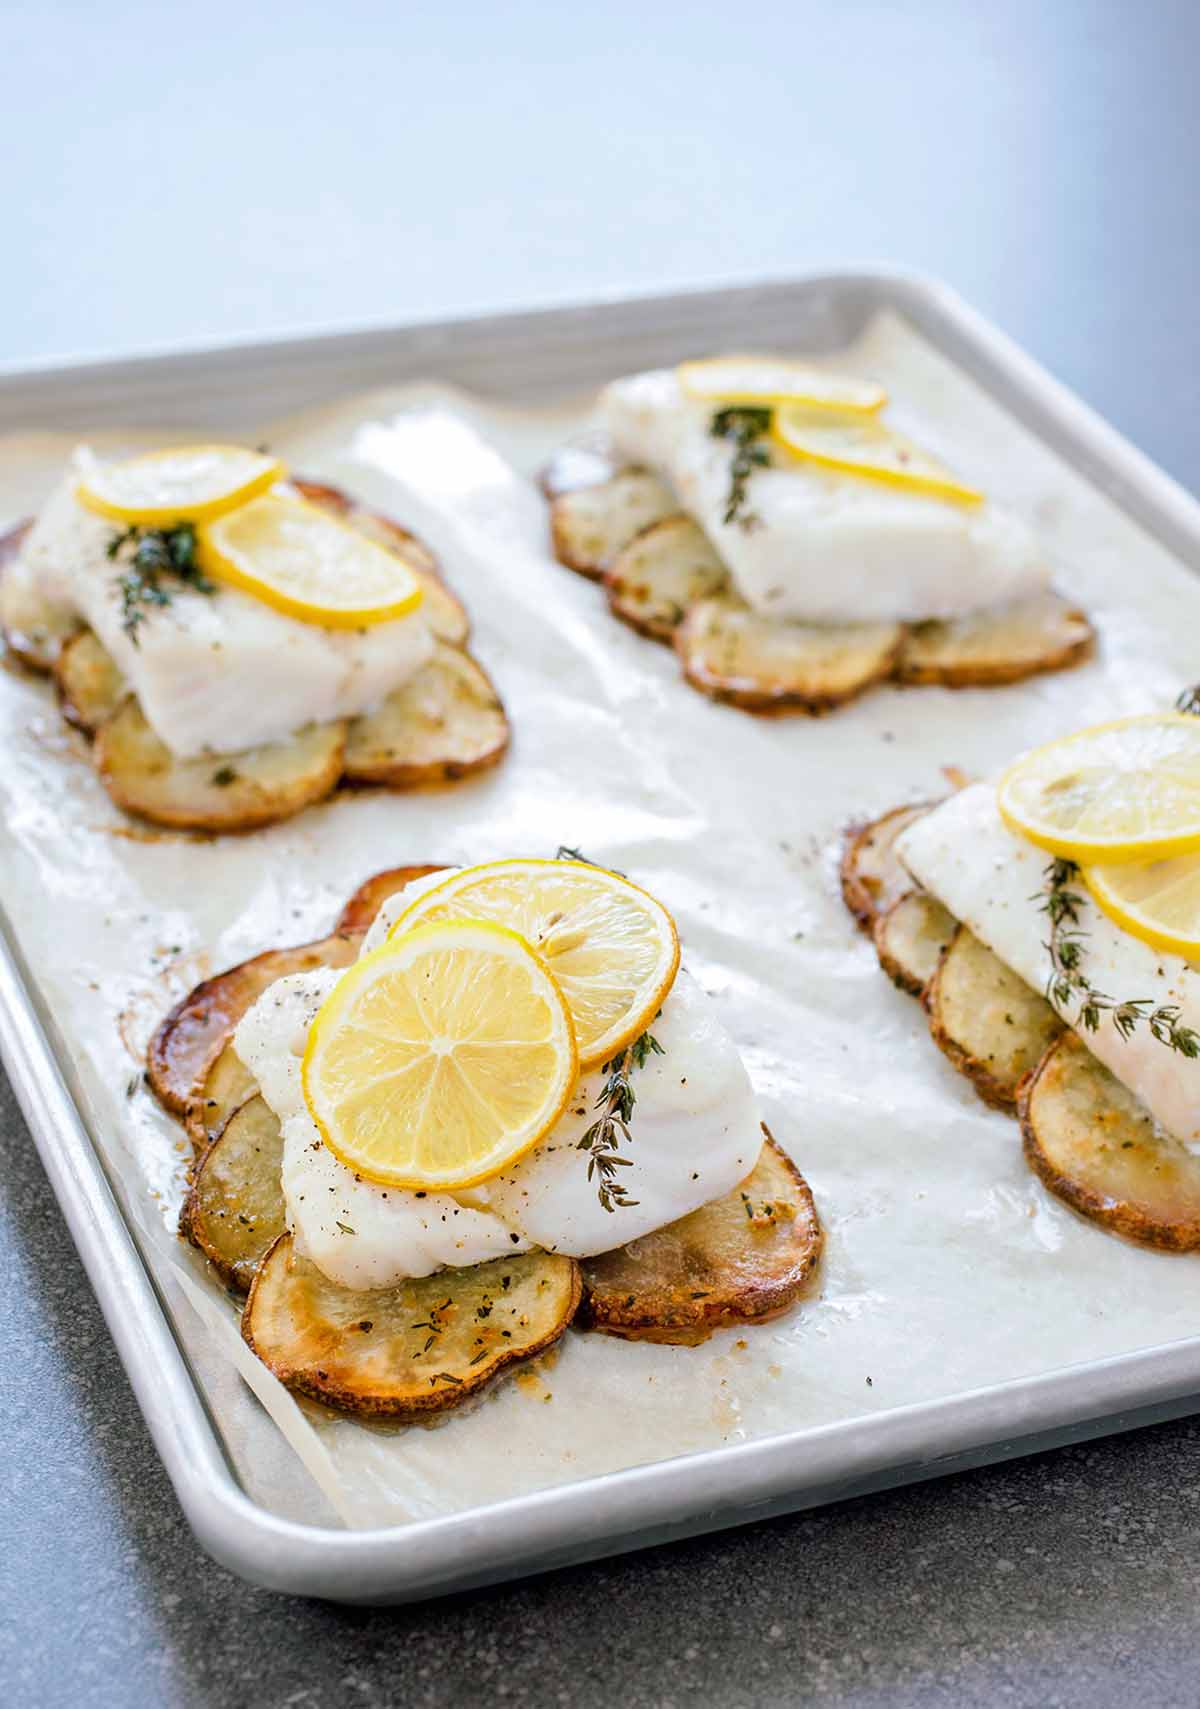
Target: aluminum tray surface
(529, 361)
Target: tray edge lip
(290, 1556)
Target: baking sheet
(948, 1269)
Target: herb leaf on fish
(1067, 983)
(146, 556)
(615, 1104)
(744, 426)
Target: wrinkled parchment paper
(948, 1266)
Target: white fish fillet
(223, 672)
(826, 548)
(991, 880)
(696, 1134)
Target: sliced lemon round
(869, 450)
(307, 564)
(776, 380)
(441, 1057)
(611, 946)
(189, 483)
(1158, 903)
(1123, 792)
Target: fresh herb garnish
(564, 853)
(1067, 983)
(744, 426)
(615, 1104)
(1189, 700)
(149, 554)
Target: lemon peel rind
(171, 516)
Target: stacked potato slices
(427, 1345)
(623, 526)
(1089, 1139)
(444, 724)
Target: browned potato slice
(575, 466)
(654, 581)
(443, 611)
(32, 630)
(408, 1351)
(227, 792)
(987, 648)
(373, 892)
(228, 1085)
(444, 723)
(742, 1259)
(992, 1026)
(235, 1210)
(1093, 1144)
(589, 525)
(872, 876)
(765, 665)
(910, 938)
(90, 686)
(192, 1037)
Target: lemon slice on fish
(305, 563)
(1116, 794)
(441, 1057)
(869, 450)
(611, 946)
(770, 380)
(189, 483)
(1158, 903)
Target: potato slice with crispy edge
(444, 723)
(589, 525)
(373, 892)
(409, 1351)
(733, 654)
(744, 1258)
(192, 1036)
(32, 631)
(441, 608)
(910, 937)
(227, 1086)
(235, 1210)
(988, 1021)
(988, 648)
(222, 792)
(1094, 1145)
(654, 581)
(90, 686)
(872, 877)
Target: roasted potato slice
(910, 937)
(373, 892)
(872, 876)
(228, 1085)
(32, 630)
(227, 792)
(742, 1259)
(987, 648)
(191, 1038)
(654, 581)
(992, 1026)
(446, 722)
(235, 1210)
(1094, 1145)
(590, 524)
(761, 664)
(90, 686)
(442, 609)
(412, 1350)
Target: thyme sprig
(1067, 983)
(744, 426)
(1189, 700)
(615, 1104)
(155, 553)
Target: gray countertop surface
(245, 169)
